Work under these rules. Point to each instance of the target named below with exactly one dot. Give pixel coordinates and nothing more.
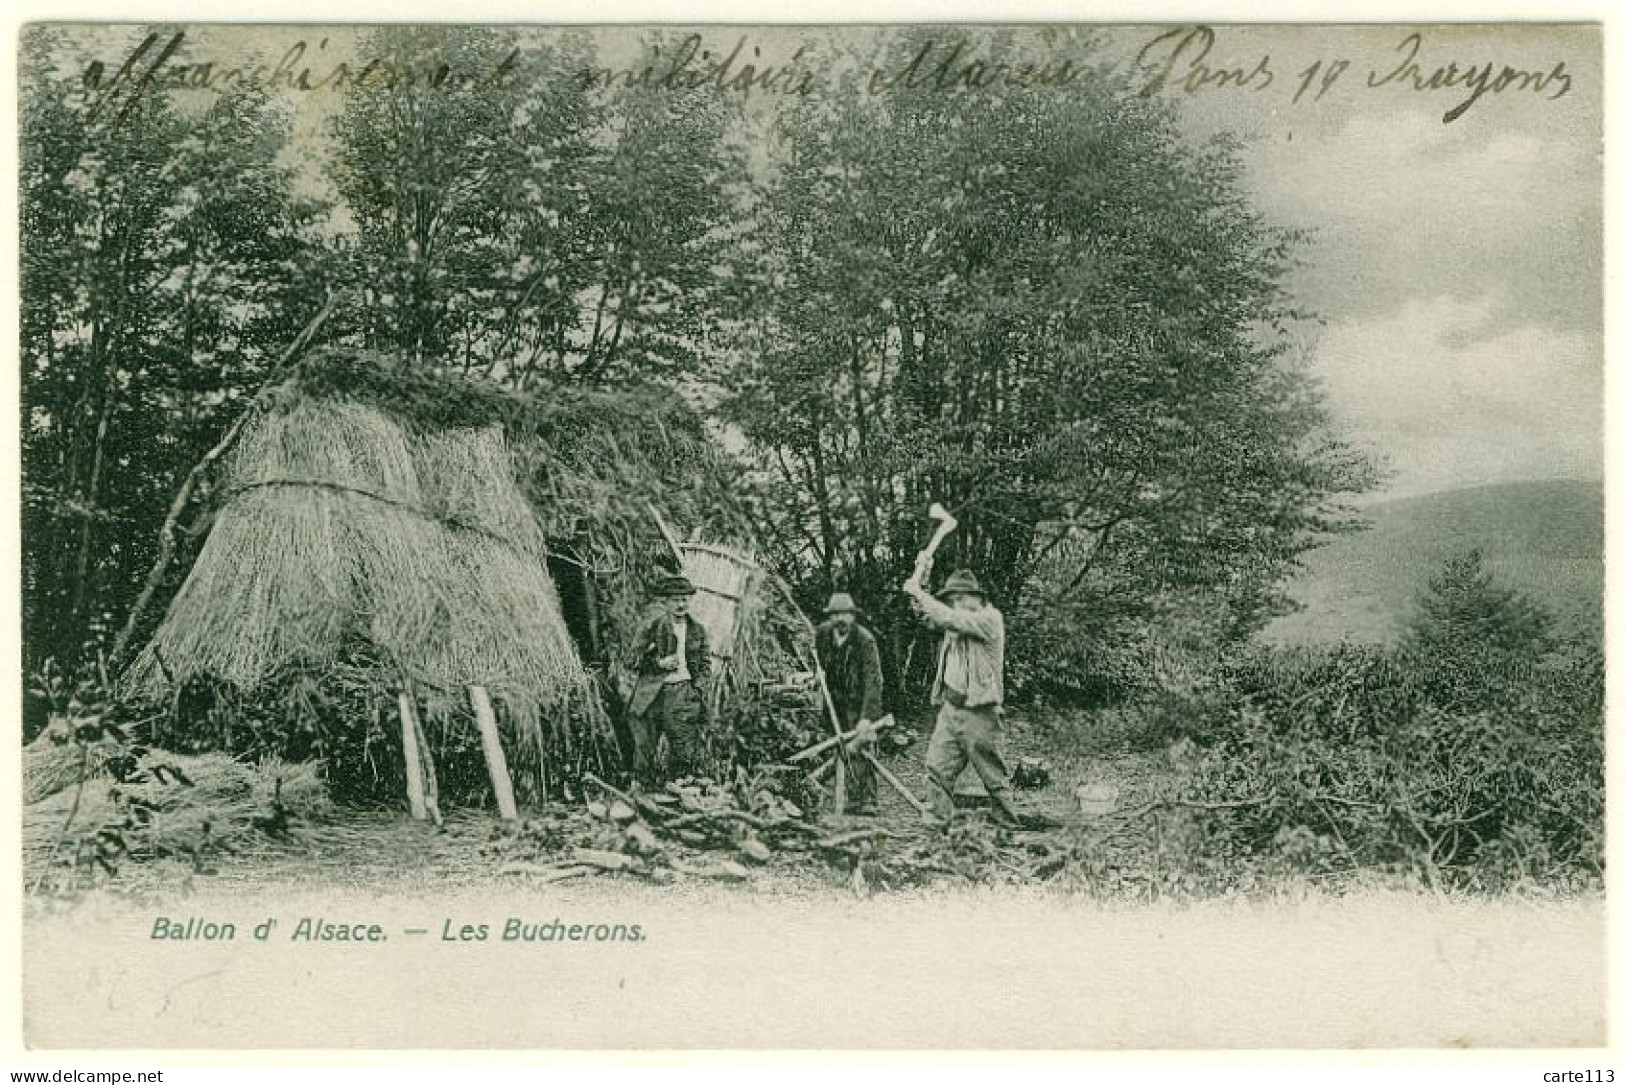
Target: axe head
(940, 514)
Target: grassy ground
(1132, 859)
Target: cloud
(1402, 206)
(1452, 394)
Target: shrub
(1470, 755)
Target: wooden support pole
(667, 534)
(495, 761)
(840, 737)
(431, 779)
(887, 775)
(413, 758)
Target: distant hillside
(1545, 538)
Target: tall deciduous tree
(165, 261)
(1059, 317)
(528, 222)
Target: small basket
(1096, 800)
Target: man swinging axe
(969, 688)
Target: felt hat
(673, 587)
(841, 603)
(963, 582)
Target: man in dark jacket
(670, 661)
(850, 658)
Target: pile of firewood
(703, 828)
(699, 827)
(692, 827)
(971, 851)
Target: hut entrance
(578, 604)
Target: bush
(1471, 755)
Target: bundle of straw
(322, 505)
(228, 805)
(511, 636)
(49, 765)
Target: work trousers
(966, 736)
(678, 713)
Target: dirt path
(1134, 775)
(385, 851)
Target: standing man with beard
(850, 659)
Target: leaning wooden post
(431, 780)
(501, 782)
(194, 478)
(887, 775)
(413, 757)
(841, 736)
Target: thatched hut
(401, 531)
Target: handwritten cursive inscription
(1181, 59)
(1186, 60)
(1489, 77)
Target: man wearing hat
(850, 659)
(969, 687)
(670, 662)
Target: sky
(1455, 267)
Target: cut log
(860, 732)
(495, 761)
(843, 840)
(725, 869)
(715, 817)
(413, 758)
(603, 860)
(610, 789)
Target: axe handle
(922, 564)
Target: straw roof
(590, 462)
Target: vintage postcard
(902, 536)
